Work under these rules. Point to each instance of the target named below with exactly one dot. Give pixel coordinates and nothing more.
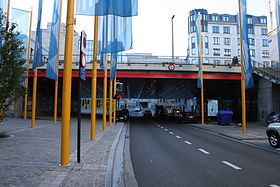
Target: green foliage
(11, 64)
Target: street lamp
(172, 40)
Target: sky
(152, 27)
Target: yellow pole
(105, 95)
(93, 82)
(115, 102)
(110, 104)
(67, 79)
(58, 53)
(201, 69)
(8, 15)
(243, 94)
(34, 98)
(27, 67)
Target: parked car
(148, 114)
(122, 115)
(273, 133)
(189, 117)
(273, 117)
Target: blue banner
(277, 13)
(21, 18)
(249, 81)
(114, 35)
(123, 8)
(113, 66)
(4, 5)
(37, 60)
(52, 67)
(197, 30)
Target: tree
(11, 64)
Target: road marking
(203, 151)
(178, 137)
(274, 185)
(188, 142)
(166, 129)
(162, 127)
(171, 133)
(231, 165)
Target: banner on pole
(249, 81)
(37, 60)
(52, 67)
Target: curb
(129, 177)
(115, 161)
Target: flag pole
(34, 95)
(243, 94)
(27, 67)
(115, 102)
(67, 80)
(8, 14)
(94, 81)
(201, 69)
(105, 94)
(58, 53)
(110, 104)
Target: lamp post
(172, 39)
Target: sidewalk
(255, 132)
(31, 157)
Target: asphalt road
(174, 154)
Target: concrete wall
(265, 102)
(268, 99)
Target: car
(273, 133)
(148, 114)
(122, 115)
(189, 117)
(273, 117)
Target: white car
(273, 133)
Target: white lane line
(274, 185)
(162, 127)
(188, 142)
(171, 133)
(178, 137)
(166, 129)
(231, 165)
(203, 151)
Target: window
(265, 54)
(227, 52)
(227, 62)
(265, 42)
(193, 45)
(250, 31)
(251, 41)
(226, 30)
(193, 61)
(217, 62)
(238, 41)
(227, 41)
(264, 31)
(216, 52)
(263, 21)
(215, 18)
(225, 18)
(216, 40)
(252, 53)
(239, 52)
(206, 61)
(206, 45)
(216, 29)
(250, 20)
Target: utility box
(225, 117)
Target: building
(221, 39)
